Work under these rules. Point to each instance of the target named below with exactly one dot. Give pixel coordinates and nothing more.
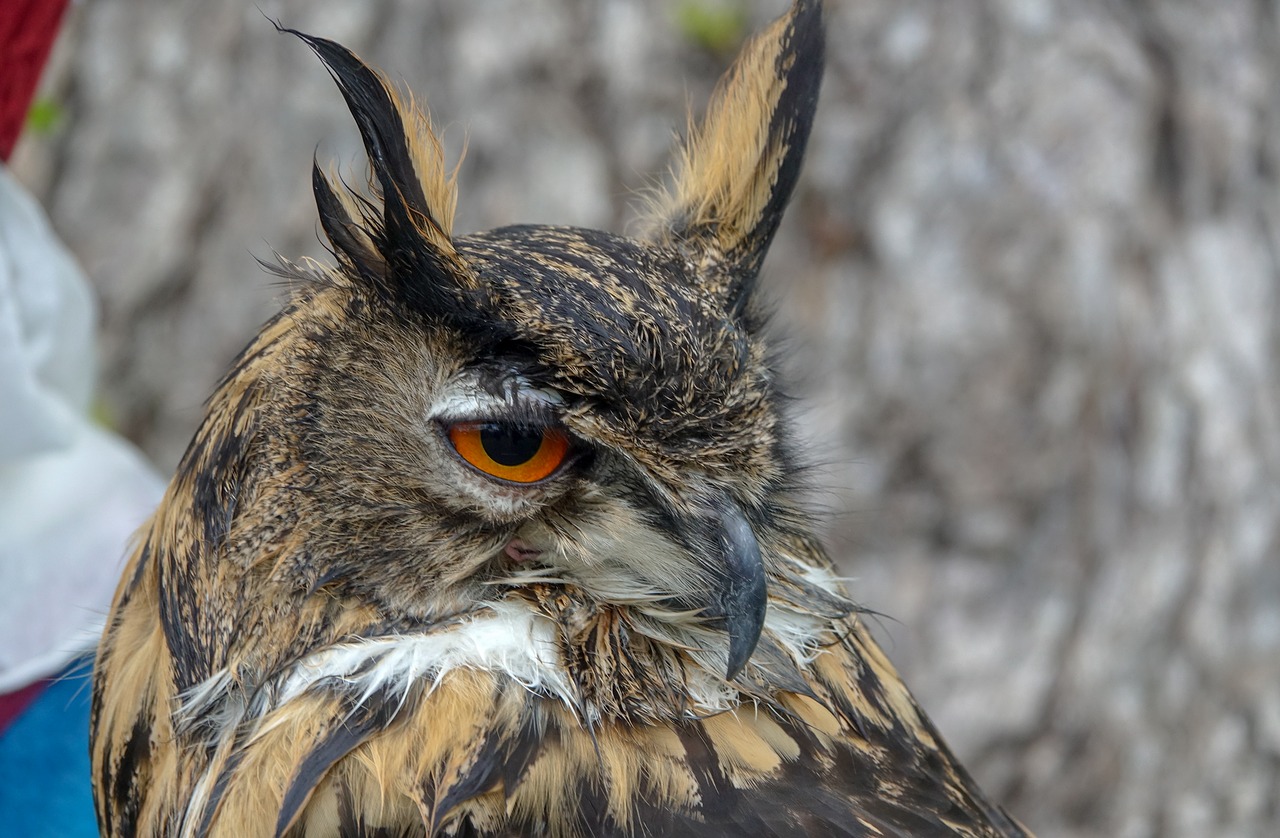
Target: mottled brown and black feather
(739, 167)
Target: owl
(502, 533)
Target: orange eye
(521, 455)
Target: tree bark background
(1029, 280)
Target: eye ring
(510, 452)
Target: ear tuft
(405, 153)
(349, 226)
(406, 252)
(737, 169)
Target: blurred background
(1030, 282)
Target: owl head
(467, 415)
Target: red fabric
(12, 704)
(27, 30)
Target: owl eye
(510, 452)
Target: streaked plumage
(337, 624)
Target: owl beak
(739, 592)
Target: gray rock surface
(1030, 277)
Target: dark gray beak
(738, 593)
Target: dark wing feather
(363, 718)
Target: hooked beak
(738, 593)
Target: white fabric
(71, 493)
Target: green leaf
(44, 116)
(716, 27)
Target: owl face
(598, 420)
(544, 405)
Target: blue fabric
(44, 764)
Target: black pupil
(508, 445)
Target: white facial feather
(800, 634)
(508, 638)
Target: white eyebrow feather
(465, 398)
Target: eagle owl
(500, 533)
